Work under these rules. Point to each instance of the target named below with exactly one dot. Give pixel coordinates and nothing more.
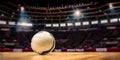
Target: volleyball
(43, 42)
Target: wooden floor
(60, 56)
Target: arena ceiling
(10, 10)
(41, 12)
(52, 3)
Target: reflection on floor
(60, 56)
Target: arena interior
(82, 30)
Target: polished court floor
(60, 56)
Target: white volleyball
(43, 42)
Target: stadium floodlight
(3, 22)
(85, 23)
(119, 19)
(55, 25)
(110, 5)
(114, 20)
(70, 24)
(62, 24)
(77, 23)
(77, 14)
(104, 21)
(24, 24)
(22, 9)
(94, 22)
(11, 23)
(48, 25)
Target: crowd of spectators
(101, 38)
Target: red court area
(59, 54)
